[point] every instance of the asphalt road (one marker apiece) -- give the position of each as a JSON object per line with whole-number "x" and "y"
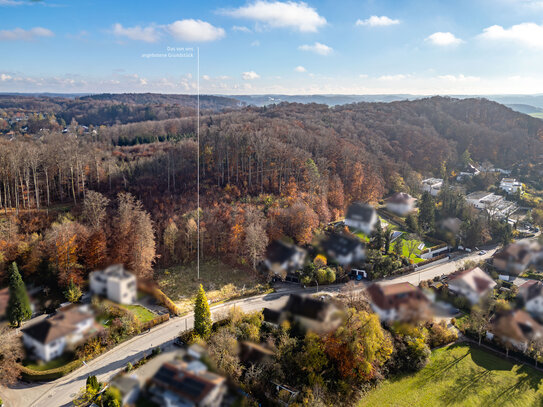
{"x": 62, "y": 391}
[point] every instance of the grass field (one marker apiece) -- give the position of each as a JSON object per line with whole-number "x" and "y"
{"x": 142, "y": 313}
{"x": 220, "y": 281}
{"x": 405, "y": 251}
{"x": 461, "y": 375}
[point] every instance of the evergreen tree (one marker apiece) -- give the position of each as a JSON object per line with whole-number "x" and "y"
{"x": 18, "y": 309}
{"x": 427, "y": 212}
{"x": 202, "y": 314}
{"x": 387, "y": 241}
{"x": 377, "y": 237}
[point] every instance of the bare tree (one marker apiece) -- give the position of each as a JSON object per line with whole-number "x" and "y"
{"x": 94, "y": 209}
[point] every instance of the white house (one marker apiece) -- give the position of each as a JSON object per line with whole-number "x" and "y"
{"x": 510, "y": 185}
{"x": 532, "y": 294}
{"x": 50, "y": 337}
{"x": 472, "y": 284}
{"x": 432, "y": 185}
{"x": 495, "y": 205}
{"x": 469, "y": 171}
{"x": 361, "y": 216}
{"x": 115, "y": 283}
{"x": 345, "y": 249}
{"x": 400, "y": 301}
{"x": 400, "y": 203}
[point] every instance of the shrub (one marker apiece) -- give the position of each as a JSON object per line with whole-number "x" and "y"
{"x": 161, "y": 298}
{"x": 129, "y": 367}
{"x": 330, "y": 276}
{"x": 320, "y": 274}
{"x": 319, "y": 261}
{"x": 439, "y": 334}
{"x": 52, "y": 374}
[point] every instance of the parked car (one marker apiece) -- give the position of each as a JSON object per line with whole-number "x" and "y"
{"x": 178, "y": 342}
{"x": 482, "y": 252}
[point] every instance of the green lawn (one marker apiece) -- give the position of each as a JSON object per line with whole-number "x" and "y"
{"x": 461, "y": 375}
{"x": 405, "y": 251}
{"x": 220, "y": 281}
{"x": 142, "y": 313}
{"x": 52, "y": 364}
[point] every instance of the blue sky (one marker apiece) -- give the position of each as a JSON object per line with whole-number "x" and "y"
{"x": 349, "y": 47}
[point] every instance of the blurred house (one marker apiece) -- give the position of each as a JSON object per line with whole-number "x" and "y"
{"x": 345, "y": 249}
{"x": 472, "y": 283}
{"x": 182, "y": 384}
{"x": 69, "y": 327}
{"x": 531, "y": 293}
{"x": 515, "y": 258}
{"x": 517, "y": 328}
{"x": 452, "y": 225}
{"x": 253, "y": 353}
{"x": 313, "y": 315}
{"x": 400, "y": 301}
{"x": 115, "y": 283}
{"x": 510, "y": 185}
{"x": 468, "y": 171}
{"x": 401, "y": 203}
{"x": 361, "y": 216}
{"x": 432, "y": 185}
{"x": 282, "y": 258}
{"x": 129, "y": 387}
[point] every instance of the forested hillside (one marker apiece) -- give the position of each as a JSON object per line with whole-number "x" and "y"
{"x": 282, "y": 170}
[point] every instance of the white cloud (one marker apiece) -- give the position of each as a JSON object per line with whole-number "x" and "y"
{"x": 375, "y": 21}
{"x": 363, "y": 76}
{"x": 25, "y": 35}
{"x": 206, "y": 77}
{"x": 277, "y": 14}
{"x": 4, "y": 77}
{"x": 300, "y": 68}
{"x": 459, "y": 78}
{"x": 248, "y": 76}
{"x": 529, "y": 34}
{"x": 143, "y": 81}
{"x": 443, "y": 39}
{"x": 195, "y": 30}
{"x": 317, "y": 48}
{"x": 392, "y": 77}
{"x": 241, "y": 28}
{"x": 11, "y": 3}
{"x": 137, "y": 33}
{"x": 255, "y": 43}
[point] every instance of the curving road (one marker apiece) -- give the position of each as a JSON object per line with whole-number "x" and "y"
{"x": 62, "y": 391}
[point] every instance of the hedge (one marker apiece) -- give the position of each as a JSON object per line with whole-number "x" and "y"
{"x": 155, "y": 321}
{"x": 392, "y": 217}
{"x": 51, "y": 374}
{"x": 160, "y": 297}
{"x": 434, "y": 248}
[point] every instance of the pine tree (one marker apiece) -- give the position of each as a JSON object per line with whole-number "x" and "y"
{"x": 18, "y": 309}
{"x": 202, "y": 314}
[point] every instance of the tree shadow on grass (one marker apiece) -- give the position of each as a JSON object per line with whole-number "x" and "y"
{"x": 467, "y": 384}
{"x": 437, "y": 368}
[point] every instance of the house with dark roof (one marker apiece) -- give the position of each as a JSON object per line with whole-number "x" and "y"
{"x": 472, "y": 283}
{"x": 178, "y": 384}
{"x": 400, "y": 203}
{"x": 361, "y": 216}
{"x": 515, "y": 258}
{"x": 283, "y": 258}
{"x": 66, "y": 329}
{"x": 129, "y": 387}
{"x": 516, "y": 328}
{"x": 345, "y": 249}
{"x": 312, "y": 314}
{"x": 400, "y": 301}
